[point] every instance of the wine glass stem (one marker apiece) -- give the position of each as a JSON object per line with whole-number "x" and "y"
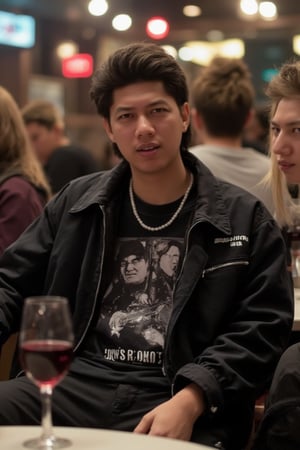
{"x": 46, "y": 397}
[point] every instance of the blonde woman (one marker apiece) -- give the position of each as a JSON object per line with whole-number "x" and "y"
{"x": 284, "y": 93}
{"x": 23, "y": 186}
{"x": 279, "y": 428}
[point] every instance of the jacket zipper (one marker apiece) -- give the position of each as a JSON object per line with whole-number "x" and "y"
{"x": 219, "y": 266}
{"x": 98, "y": 285}
{"x": 164, "y": 372}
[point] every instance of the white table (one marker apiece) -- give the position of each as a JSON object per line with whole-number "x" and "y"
{"x": 11, "y": 438}
{"x": 296, "y": 324}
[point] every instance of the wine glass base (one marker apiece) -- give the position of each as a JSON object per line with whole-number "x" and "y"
{"x": 51, "y": 443}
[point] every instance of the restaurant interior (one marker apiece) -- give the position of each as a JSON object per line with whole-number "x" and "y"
{"x": 54, "y": 53}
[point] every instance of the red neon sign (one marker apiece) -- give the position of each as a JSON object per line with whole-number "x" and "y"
{"x": 78, "y": 66}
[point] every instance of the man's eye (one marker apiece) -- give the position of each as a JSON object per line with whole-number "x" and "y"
{"x": 159, "y": 110}
{"x": 275, "y": 130}
{"x": 124, "y": 116}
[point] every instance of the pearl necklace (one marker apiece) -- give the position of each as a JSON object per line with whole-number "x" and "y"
{"x": 165, "y": 225}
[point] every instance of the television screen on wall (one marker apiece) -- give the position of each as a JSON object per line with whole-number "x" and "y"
{"x": 17, "y": 30}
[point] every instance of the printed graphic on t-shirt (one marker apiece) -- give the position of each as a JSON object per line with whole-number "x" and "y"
{"x": 137, "y": 305}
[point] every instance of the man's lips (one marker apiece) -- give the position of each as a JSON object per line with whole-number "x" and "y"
{"x": 284, "y": 165}
{"x": 147, "y": 148}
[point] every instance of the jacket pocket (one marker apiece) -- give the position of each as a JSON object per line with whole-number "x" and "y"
{"x": 224, "y": 266}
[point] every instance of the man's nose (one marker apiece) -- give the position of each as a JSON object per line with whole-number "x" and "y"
{"x": 144, "y": 126}
{"x": 281, "y": 144}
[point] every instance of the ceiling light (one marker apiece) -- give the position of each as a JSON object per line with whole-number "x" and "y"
{"x": 192, "y": 11}
{"x": 122, "y": 22}
{"x": 202, "y": 52}
{"x": 66, "y": 49}
{"x": 98, "y": 7}
{"x": 268, "y": 10}
{"x": 231, "y": 48}
{"x": 249, "y": 7}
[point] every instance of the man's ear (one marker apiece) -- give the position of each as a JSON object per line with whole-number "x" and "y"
{"x": 186, "y": 115}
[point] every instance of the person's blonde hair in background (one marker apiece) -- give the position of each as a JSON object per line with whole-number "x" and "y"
{"x": 284, "y": 93}
{"x": 23, "y": 186}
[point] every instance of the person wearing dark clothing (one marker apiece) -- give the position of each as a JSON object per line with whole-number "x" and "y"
{"x": 191, "y": 363}
{"x": 68, "y": 162}
{"x": 62, "y": 160}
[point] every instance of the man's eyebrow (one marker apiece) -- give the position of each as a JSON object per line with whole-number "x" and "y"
{"x": 292, "y": 123}
{"x": 124, "y": 108}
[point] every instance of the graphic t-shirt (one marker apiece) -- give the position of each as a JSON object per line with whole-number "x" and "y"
{"x": 126, "y": 345}
{"x": 137, "y": 306}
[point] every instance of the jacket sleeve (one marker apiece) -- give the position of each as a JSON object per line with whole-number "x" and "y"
{"x": 240, "y": 361}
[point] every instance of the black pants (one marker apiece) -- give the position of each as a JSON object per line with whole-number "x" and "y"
{"x": 95, "y": 404}
{"x": 279, "y": 428}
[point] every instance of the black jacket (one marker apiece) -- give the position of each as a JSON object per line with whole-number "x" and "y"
{"x": 233, "y": 306}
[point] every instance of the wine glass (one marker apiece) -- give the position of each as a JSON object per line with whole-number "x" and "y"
{"x": 46, "y": 347}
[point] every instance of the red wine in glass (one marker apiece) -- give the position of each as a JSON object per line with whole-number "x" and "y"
{"x": 46, "y": 361}
{"x": 46, "y": 347}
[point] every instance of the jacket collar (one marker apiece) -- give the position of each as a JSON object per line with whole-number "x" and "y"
{"x": 210, "y": 206}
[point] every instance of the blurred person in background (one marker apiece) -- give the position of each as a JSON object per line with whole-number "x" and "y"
{"x": 256, "y": 131}
{"x": 279, "y": 428}
{"x": 24, "y": 189}
{"x": 62, "y": 160}
{"x": 223, "y": 96}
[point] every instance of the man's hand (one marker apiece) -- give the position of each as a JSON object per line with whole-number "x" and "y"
{"x": 176, "y": 417}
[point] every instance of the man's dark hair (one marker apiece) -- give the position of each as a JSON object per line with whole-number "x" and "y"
{"x": 134, "y": 63}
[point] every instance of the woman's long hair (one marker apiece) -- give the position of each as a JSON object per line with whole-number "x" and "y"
{"x": 16, "y": 153}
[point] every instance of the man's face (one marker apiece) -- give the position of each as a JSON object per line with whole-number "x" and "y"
{"x": 147, "y": 125}
{"x": 134, "y": 269}
{"x": 285, "y": 138}
{"x": 44, "y": 140}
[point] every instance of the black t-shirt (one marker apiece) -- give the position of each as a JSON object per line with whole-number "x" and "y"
{"x": 127, "y": 342}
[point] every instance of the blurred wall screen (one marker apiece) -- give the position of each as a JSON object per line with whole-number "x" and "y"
{"x": 17, "y": 30}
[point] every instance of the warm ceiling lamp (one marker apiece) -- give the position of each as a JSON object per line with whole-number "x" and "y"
{"x": 97, "y": 7}
{"x": 202, "y": 52}
{"x": 268, "y": 10}
{"x": 66, "y": 49}
{"x": 192, "y": 11}
{"x": 249, "y": 7}
{"x": 122, "y": 22}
